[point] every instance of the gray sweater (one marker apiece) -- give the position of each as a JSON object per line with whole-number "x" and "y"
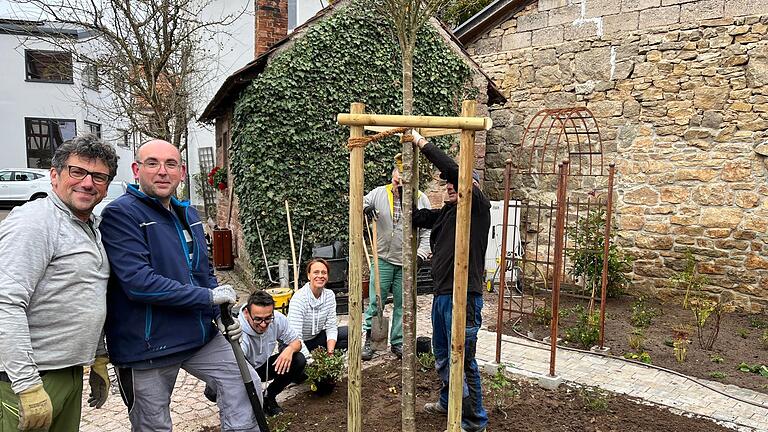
{"x": 390, "y": 231}
{"x": 53, "y": 284}
{"x": 258, "y": 347}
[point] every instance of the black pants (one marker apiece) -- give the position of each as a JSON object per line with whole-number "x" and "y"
{"x": 279, "y": 382}
{"x": 321, "y": 340}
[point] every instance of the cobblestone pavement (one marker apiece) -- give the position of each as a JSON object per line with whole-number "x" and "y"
{"x": 192, "y": 412}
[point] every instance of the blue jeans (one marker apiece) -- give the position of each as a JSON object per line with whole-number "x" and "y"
{"x": 473, "y": 415}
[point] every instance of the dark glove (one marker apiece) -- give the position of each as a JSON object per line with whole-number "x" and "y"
{"x": 370, "y": 213}
{"x": 419, "y": 262}
{"x": 99, "y": 382}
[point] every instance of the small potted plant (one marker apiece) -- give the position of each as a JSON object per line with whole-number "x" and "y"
{"x": 325, "y": 370}
{"x": 218, "y": 178}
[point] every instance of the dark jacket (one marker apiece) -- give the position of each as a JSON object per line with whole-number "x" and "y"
{"x": 158, "y": 298}
{"x": 443, "y": 224}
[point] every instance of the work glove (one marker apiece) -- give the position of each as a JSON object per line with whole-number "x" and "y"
{"x": 416, "y": 136}
{"x": 99, "y": 382}
{"x": 370, "y": 213}
{"x": 232, "y": 332}
{"x": 223, "y": 294}
{"x": 35, "y": 409}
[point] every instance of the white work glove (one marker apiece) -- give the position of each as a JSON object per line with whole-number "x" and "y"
{"x": 233, "y": 332}
{"x": 416, "y": 136}
{"x": 223, "y": 294}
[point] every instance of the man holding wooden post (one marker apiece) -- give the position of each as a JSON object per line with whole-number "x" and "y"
{"x": 442, "y": 240}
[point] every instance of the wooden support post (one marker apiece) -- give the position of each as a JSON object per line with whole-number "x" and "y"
{"x": 464, "y": 122}
{"x": 461, "y": 269}
{"x": 355, "y": 277}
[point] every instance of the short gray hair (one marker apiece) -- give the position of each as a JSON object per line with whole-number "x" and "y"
{"x": 88, "y": 146}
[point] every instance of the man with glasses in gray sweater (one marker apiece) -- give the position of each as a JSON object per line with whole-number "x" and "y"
{"x": 53, "y": 283}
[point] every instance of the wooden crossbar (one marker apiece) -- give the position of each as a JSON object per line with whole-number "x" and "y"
{"x": 465, "y": 123}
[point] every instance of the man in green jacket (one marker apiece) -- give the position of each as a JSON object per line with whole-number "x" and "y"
{"x": 383, "y": 205}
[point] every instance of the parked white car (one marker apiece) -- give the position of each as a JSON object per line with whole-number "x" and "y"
{"x": 116, "y": 188}
{"x": 19, "y": 185}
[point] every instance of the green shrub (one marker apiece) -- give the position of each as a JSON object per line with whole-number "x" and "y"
{"x": 642, "y": 357}
{"x": 427, "y": 361}
{"x": 642, "y": 315}
{"x": 718, "y": 375}
{"x": 501, "y": 388}
{"x": 594, "y": 399}
{"x": 587, "y": 256}
{"x": 542, "y": 315}
{"x": 325, "y": 368}
{"x": 586, "y": 330}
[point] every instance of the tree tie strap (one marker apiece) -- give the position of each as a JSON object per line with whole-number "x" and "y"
{"x": 364, "y": 140}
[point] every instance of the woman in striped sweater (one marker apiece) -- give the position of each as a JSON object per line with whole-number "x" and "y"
{"x": 312, "y": 311}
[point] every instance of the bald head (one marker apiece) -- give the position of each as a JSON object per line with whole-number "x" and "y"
{"x": 155, "y": 145}
{"x": 159, "y": 169}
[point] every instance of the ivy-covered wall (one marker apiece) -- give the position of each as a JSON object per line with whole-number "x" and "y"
{"x": 286, "y": 144}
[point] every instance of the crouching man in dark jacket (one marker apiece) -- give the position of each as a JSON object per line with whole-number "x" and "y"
{"x": 443, "y": 241}
{"x": 162, "y": 299}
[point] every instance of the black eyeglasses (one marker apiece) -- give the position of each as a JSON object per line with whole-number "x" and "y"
{"x": 259, "y": 320}
{"x": 79, "y": 173}
{"x": 154, "y": 165}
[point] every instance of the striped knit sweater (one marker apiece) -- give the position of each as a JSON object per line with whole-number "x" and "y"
{"x": 309, "y": 315}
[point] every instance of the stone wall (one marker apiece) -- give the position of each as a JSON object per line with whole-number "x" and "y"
{"x": 680, "y": 91}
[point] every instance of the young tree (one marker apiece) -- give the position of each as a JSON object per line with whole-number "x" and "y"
{"x": 149, "y": 56}
{"x": 408, "y": 17}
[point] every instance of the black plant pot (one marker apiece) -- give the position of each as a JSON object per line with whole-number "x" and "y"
{"x": 423, "y": 345}
{"x": 325, "y": 387}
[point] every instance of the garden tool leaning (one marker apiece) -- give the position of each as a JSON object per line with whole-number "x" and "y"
{"x": 380, "y": 323}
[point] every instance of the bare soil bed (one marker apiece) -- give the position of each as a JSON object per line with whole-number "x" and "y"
{"x": 534, "y": 409}
{"x": 739, "y": 339}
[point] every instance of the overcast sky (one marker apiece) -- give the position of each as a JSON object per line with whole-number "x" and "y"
{"x": 13, "y": 10}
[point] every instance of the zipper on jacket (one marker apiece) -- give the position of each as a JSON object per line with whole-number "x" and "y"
{"x": 180, "y": 233}
{"x": 147, "y": 323}
{"x": 192, "y": 235}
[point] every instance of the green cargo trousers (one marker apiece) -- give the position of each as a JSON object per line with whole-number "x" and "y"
{"x": 391, "y": 281}
{"x": 64, "y": 387}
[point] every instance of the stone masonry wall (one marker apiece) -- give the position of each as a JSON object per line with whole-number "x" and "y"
{"x": 680, "y": 91}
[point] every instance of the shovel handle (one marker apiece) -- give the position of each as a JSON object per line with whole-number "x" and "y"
{"x": 250, "y": 388}
{"x": 377, "y": 280}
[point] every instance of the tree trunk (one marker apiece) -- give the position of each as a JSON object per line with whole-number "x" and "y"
{"x": 410, "y": 181}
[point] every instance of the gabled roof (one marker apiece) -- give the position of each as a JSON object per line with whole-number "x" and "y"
{"x": 40, "y": 28}
{"x": 236, "y": 82}
{"x": 239, "y": 80}
{"x": 491, "y": 16}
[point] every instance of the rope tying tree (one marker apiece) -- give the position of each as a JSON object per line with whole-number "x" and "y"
{"x": 365, "y": 140}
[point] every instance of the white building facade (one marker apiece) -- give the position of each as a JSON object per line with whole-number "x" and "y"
{"x": 42, "y": 98}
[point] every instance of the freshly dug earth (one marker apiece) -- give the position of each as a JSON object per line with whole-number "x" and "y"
{"x": 534, "y": 409}
{"x": 739, "y": 339}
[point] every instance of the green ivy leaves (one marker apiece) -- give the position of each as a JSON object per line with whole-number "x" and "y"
{"x": 286, "y": 144}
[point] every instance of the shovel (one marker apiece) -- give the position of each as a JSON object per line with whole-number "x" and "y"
{"x": 250, "y": 388}
{"x": 380, "y": 323}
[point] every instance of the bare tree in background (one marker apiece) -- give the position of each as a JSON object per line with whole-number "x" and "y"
{"x": 148, "y": 54}
{"x": 408, "y": 17}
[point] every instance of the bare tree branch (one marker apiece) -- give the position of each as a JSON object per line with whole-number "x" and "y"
{"x": 149, "y": 53}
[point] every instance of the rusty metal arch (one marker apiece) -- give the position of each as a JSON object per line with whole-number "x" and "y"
{"x": 560, "y": 150}
{"x": 555, "y": 135}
